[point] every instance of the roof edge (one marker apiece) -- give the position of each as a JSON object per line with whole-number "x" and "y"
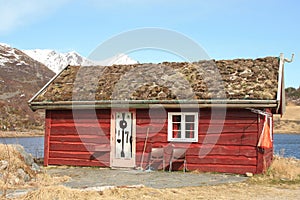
{"x": 46, "y": 85}
{"x": 148, "y": 103}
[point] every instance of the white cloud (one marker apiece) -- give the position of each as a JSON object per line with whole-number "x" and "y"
{"x": 16, "y": 13}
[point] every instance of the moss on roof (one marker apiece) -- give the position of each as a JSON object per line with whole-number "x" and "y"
{"x": 254, "y": 79}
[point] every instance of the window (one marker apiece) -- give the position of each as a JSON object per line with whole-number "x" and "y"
{"x": 183, "y": 127}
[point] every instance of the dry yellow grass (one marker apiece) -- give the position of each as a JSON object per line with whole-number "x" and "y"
{"x": 258, "y": 187}
{"x": 292, "y": 113}
{"x": 282, "y": 171}
{"x": 285, "y": 169}
{"x": 228, "y": 191}
{"x": 10, "y": 154}
{"x": 61, "y": 193}
{"x": 289, "y": 122}
{"x": 9, "y": 176}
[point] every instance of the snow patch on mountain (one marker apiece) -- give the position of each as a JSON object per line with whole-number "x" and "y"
{"x": 10, "y": 55}
{"x": 120, "y": 59}
{"x": 5, "y": 45}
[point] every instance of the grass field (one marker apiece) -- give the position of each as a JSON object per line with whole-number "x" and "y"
{"x": 289, "y": 122}
{"x": 291, "y": 113}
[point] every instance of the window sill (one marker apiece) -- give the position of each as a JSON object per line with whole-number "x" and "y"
{"x": 183, "y": 140}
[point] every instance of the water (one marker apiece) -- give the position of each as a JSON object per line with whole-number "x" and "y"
{"x": 286, "y": 144}
{"x": 33, "y": 145}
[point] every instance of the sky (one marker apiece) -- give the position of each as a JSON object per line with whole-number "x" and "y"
{"x": 225, "y": 29}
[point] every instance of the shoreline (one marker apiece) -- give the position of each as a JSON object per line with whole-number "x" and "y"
{"x": 289, "y": 133}
{"x": 16, "y": 134}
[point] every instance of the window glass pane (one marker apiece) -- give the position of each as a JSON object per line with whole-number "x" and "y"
{"x": 176, "y": 126}
{"x": 189, "y": 118}
{"x": 189, "y": 134}
{"x": 176, "y": 134}
{"x": 176, "y": 118}
{"x": 189, "y": 126}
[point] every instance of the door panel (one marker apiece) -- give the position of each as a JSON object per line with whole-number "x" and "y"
{"x": 123, "y": 139}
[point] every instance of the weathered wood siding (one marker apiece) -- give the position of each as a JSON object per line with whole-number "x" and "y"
{"x": 81, "y": 142}
{"x": 233, "y": 150}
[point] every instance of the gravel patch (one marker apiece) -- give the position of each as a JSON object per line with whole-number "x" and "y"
{"x": 85, "y": 177}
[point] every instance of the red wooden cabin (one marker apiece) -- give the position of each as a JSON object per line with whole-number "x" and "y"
{"x": 219, "y": 111}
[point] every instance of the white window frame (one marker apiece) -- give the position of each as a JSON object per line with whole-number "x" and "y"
{"x": 170, "y": 127}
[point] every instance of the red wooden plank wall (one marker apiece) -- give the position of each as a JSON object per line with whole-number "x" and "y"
{"x": 234, "y": 151}
{"x": 82, "y": 140}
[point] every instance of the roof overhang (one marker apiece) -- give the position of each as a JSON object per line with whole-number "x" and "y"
{"x": 150, "y": 103}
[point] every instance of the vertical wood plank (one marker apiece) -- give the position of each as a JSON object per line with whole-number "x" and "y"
{"x": 112, "y": 138}
{"x": 133, "y": 111}
{"x": 259, "y": 156}
{"x": 47, "y": 137}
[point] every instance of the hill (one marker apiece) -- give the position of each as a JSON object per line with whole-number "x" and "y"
{"x": 20, "y": 78}
{"x": 293, "y": 96}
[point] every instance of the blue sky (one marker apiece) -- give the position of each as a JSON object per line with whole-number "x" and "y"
{"x": 225, "y": 29}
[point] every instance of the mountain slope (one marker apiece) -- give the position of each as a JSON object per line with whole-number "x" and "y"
{"x": 20, "y": 78}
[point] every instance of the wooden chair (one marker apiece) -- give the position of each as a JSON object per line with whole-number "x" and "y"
{"x": 178, "y": 155}
{"x": 156, "y": 154}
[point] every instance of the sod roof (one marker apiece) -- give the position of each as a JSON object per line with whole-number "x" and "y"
{"x": 253, "y": 79}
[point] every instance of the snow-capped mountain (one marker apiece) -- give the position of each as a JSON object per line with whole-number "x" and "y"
{"x": 57, "y": 61}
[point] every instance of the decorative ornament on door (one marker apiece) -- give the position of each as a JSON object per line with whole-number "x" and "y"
{"x": 123, "y": 135}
